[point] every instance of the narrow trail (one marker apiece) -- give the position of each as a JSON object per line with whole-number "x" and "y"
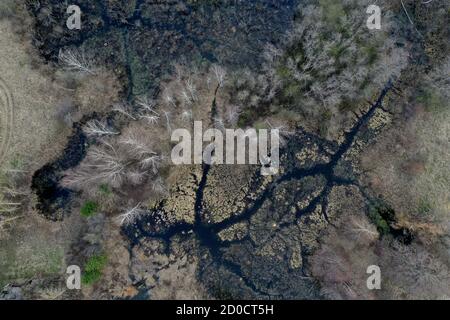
{"x": 6, "y": 119}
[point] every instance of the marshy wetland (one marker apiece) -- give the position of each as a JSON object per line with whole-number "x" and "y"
{"x": 87, "y": 180}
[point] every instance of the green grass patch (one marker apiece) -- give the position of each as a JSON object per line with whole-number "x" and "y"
{"x": 424, "y": 207}
{"x": 89, "y": 209}
{"x": 31, "y": 259}
{"x": 93, "y": 269}
{"x": 105, "y": 189}
{"x": 377, "y": 217}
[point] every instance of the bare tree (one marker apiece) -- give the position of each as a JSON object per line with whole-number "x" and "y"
{"x": 167, "y": 117}
{"x": 148, "y": 112}
{"x": 103, "y": 164}
{"x": 121, "y": 108}
{"x": 362, "y": 229}
{"x": 136, "y": 147}
{"x": 187, "y": 99}
{"x": 152, "y": 161}
{"x": 75, "y": 60}
{"x": 130, "y": 215}
{"x": 208, "y": 82}
{"x": 12, "y": 194}
{"x": 190, "y": 86}
{"x": 136, "y": 176}
{"x": 116, "y": 160}
{"x": 151, "y": 119}
{"x": 220, "y": 74}
{"x": 98, "y": 128}
{"x": 186, "y": 115}
{"x": 169, "y": 99}
{"x": 147, "y": 104}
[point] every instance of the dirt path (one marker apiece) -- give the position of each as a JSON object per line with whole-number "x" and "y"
{"x": 6, "y": 119}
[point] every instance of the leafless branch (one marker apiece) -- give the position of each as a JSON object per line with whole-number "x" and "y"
{"x": 122, "y": 109}
{"x": 220, "y": 74}
{"x": 95, "y": 127}
{"x": 75, "y": 61}
{"x": 130, "y": 215}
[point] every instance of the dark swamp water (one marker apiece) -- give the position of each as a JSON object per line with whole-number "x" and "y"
{"x": 146, "y": 37}
{"x": 234, "y": 267}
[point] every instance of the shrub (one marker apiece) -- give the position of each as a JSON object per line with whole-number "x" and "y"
{"x": 376, "y": 217}
{"x": 425, "y": 207}
{"x": 93, "y": 269}
{"x": 89, "y": 209}
{"x": 431, "y": 100}
{"x": 104, "y": 189}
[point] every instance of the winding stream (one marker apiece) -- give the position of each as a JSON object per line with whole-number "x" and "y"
{"x": 207, "y": 233}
